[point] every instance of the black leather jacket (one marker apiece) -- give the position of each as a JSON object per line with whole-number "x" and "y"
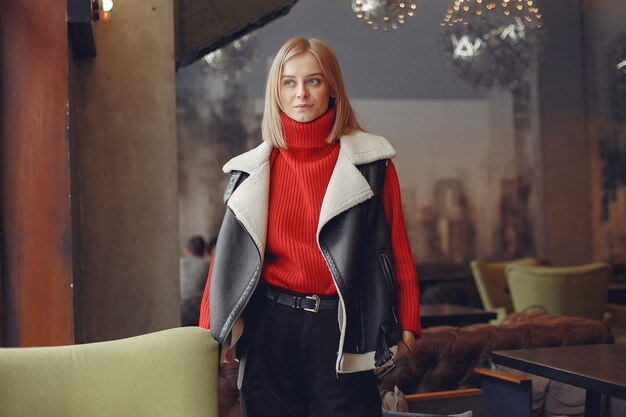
{"x": 353, "y": 237}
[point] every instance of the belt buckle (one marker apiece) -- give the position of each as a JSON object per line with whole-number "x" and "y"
{"x": 317, "y": 303}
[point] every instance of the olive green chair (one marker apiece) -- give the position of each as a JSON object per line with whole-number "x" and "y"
{"x": 616, "y": 319}
{"x": 570, "y": 291}
{"x": 162, "y": 374}
{"x": 490, "y": 280}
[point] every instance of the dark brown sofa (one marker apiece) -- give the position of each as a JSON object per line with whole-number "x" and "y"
{"x": 445, "y": 356}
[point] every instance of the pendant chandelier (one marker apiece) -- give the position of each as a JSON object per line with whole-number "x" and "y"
{"x": 384, "y": 14}
{"x": 492, "y": 44}
{"x": 232, "y": 60}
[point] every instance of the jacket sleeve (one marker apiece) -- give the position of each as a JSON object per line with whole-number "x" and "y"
{"x": 406, "y": 275}
{"x": 204, "y": 305}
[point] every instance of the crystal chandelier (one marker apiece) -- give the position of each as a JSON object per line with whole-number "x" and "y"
{"x": 492, "y": 44}
{"x": 232, "y": 60}
{"x": 384, "y": 14}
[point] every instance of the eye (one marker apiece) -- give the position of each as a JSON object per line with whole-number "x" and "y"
{"x": 314, "y": 81}
{"x": 289, "y": 83}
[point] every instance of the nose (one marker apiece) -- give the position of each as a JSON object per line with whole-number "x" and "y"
{"x": 302, "y": 92}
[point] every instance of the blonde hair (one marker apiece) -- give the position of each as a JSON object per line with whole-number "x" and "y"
{"x": 345, "y": 119}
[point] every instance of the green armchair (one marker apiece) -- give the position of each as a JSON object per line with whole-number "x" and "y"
{"x": 490, "y": 280}
{"x": 570, "y": 291}
{"x": 616, "y": 319}
{"x": 162, "y": 374}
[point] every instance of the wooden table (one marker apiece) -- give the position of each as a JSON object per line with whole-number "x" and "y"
{"x": 600, "y": 369}
{"x": 452, "y": 315}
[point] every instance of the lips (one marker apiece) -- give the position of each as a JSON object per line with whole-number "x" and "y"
{"x": 304, "y": 106}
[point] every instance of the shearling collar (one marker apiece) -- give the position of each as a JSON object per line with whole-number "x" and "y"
{"x": 360, "y": 148}
{"x": 347, "y": 186}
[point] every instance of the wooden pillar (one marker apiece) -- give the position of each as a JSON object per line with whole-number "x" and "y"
{"x": 35, "y": 195}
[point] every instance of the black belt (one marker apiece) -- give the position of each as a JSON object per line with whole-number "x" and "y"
{"x": 312, "y": 303}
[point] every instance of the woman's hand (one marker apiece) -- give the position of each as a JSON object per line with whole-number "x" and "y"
{"x": 230, "y": 355}
{"x": 406, "y": 345}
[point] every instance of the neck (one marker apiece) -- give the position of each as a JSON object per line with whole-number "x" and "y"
{"x": 311, "y": 134}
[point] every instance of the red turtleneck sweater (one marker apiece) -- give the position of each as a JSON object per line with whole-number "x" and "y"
{"x": 298, "y": 181}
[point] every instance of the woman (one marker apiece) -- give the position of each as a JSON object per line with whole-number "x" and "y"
{"x": 313, "y": 254}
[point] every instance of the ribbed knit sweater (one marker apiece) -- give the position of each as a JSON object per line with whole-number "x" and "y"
{"x": 298, "y": 180}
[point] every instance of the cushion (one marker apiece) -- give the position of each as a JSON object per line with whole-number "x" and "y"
{"x": 161, "y": 374}
{"x": 564, "y": 399}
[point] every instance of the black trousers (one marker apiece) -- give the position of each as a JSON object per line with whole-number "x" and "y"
{"x": 288, "y": 358}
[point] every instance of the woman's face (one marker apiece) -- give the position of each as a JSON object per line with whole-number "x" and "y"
{"x": 304, "y": 92}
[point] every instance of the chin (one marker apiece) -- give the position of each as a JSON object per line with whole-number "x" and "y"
{"x": 301, "y": 118}
{"x": 305, "y": 118}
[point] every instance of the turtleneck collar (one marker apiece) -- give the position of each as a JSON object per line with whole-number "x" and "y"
{"x": 311, "y": 134}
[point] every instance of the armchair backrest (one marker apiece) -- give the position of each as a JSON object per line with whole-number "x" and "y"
{"x": 490, "y": 280}
{"x": 570, "y": 291}
{"x": 162, "y": 374}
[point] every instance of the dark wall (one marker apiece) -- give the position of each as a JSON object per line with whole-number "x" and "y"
{"x": 563, "y": 149}
{"x": 605, "y": 46}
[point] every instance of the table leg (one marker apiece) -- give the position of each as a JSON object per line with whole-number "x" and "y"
{"x": 592, "y": 404}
